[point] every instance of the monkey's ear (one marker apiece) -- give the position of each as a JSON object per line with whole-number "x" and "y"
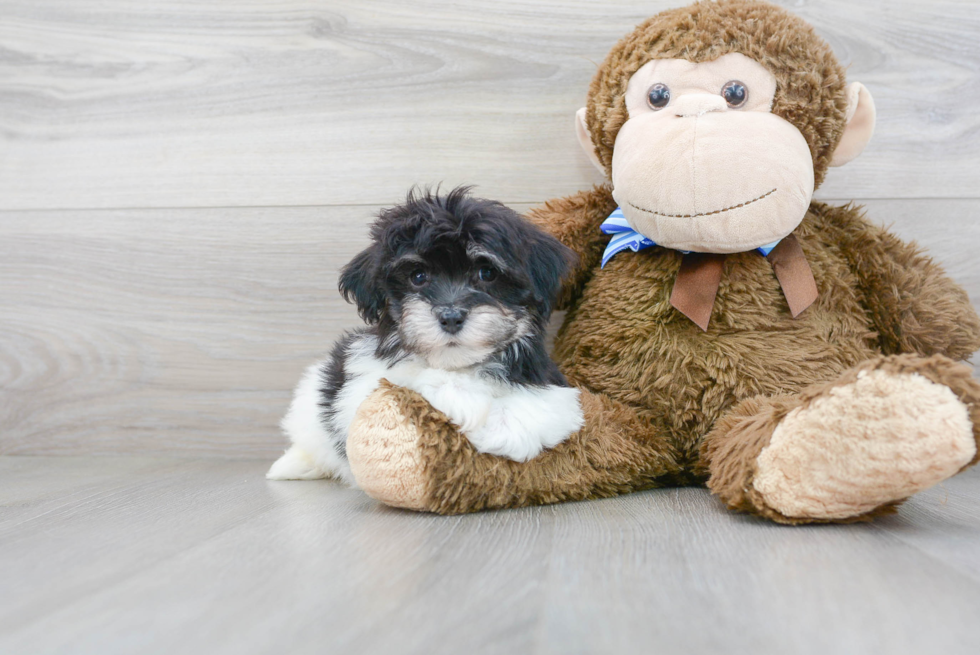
{"x": 860, "y": 124}
{"x": 360, "y": 283}
{"x": 585, "y": 140}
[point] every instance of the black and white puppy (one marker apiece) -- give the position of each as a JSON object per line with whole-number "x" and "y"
{"x": 456, "y": 292}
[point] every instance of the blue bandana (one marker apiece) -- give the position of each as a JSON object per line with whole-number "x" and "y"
{"x": 626, "y": 237}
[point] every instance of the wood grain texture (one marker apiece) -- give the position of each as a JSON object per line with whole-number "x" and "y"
{"x": 169, "y": 103}
{"x": 184, "y": 331}
{"x": 124, "y": 555}
{"x": 198, "y": 321}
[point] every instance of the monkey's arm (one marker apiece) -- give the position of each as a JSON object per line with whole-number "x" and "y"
{"x": 575, "y": 221}
{"x": 915, "y": 306}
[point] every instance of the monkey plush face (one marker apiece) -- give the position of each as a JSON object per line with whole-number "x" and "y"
{"x": 719, "y": 150}
{"x": 702, "y": 164}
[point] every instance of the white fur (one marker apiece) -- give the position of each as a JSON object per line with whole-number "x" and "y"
{"x": 312, "y": 455}
{"x": 462, "y": 396}
{"x": 527, "y": 420}
{"x": 512, "y": 421}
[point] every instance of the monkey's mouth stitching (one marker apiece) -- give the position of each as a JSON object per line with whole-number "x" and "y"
{"x": 717, "y": 211}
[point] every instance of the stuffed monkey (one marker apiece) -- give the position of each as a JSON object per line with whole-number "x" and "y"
{"x": 724, "y": 328}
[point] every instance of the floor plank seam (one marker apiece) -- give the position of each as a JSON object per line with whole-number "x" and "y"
{"x": 340, "y": 205}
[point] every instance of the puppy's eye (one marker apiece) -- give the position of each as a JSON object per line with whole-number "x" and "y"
{"x": 488, "y": 273}
{"x": 658, "y": 96}
{"x": 419, "y": 277}
{"x": 735, "y": 93}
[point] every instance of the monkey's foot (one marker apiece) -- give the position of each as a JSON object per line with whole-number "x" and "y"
{"x": 851, "y": 449}
{"x": 875, "y": 437}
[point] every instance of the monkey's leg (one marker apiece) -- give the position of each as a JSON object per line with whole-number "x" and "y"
{"x": 849, "y": 450}
{"x": 407, "y": 454}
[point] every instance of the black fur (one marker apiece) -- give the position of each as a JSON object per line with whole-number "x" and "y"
{"x": 333, "y": 377}
{"x": 357, "y": 284}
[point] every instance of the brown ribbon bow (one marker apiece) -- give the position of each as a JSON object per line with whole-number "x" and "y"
{"x": 700, "y": 274}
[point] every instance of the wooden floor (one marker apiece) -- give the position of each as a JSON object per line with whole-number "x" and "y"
{"x": 131, "y": 555}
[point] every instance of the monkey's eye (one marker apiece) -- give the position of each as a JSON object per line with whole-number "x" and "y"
{"x": 735, "y": 93}
{"x": 419, "y": 277}
{"x": 487, "y": 273}
{"x": 658, "y": 96}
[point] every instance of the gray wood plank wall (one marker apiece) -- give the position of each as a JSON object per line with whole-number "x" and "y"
{"x": 180, "y": 182}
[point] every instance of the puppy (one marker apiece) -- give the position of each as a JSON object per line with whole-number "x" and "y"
{"x": 456, "y": 292}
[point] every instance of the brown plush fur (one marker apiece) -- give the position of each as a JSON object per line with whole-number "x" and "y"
{"x": 612, "y": 455}
{"x": 667, "y": 403}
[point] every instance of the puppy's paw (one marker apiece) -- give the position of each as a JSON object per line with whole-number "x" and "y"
{"x": 467, "y": 404}
{"x": 559, "y": 412}
{"x": 521, "y": 425}
{"x": 505, "y": 435}
{"x": 296, "y": 465}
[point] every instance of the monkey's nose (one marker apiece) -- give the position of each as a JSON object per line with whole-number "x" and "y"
{"x": 451, "y": 319}
{"x": 698, "y": 104}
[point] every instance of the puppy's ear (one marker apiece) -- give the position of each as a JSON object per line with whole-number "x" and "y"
{"x": 550, "y": 263}
{"x": 360, "y": 283}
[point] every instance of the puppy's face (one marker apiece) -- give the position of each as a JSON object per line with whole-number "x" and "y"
{"x": 456, "y": 308}
{"x": 455, "y": 279}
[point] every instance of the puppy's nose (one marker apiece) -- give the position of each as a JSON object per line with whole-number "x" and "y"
{"x": 451, "y": 319}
